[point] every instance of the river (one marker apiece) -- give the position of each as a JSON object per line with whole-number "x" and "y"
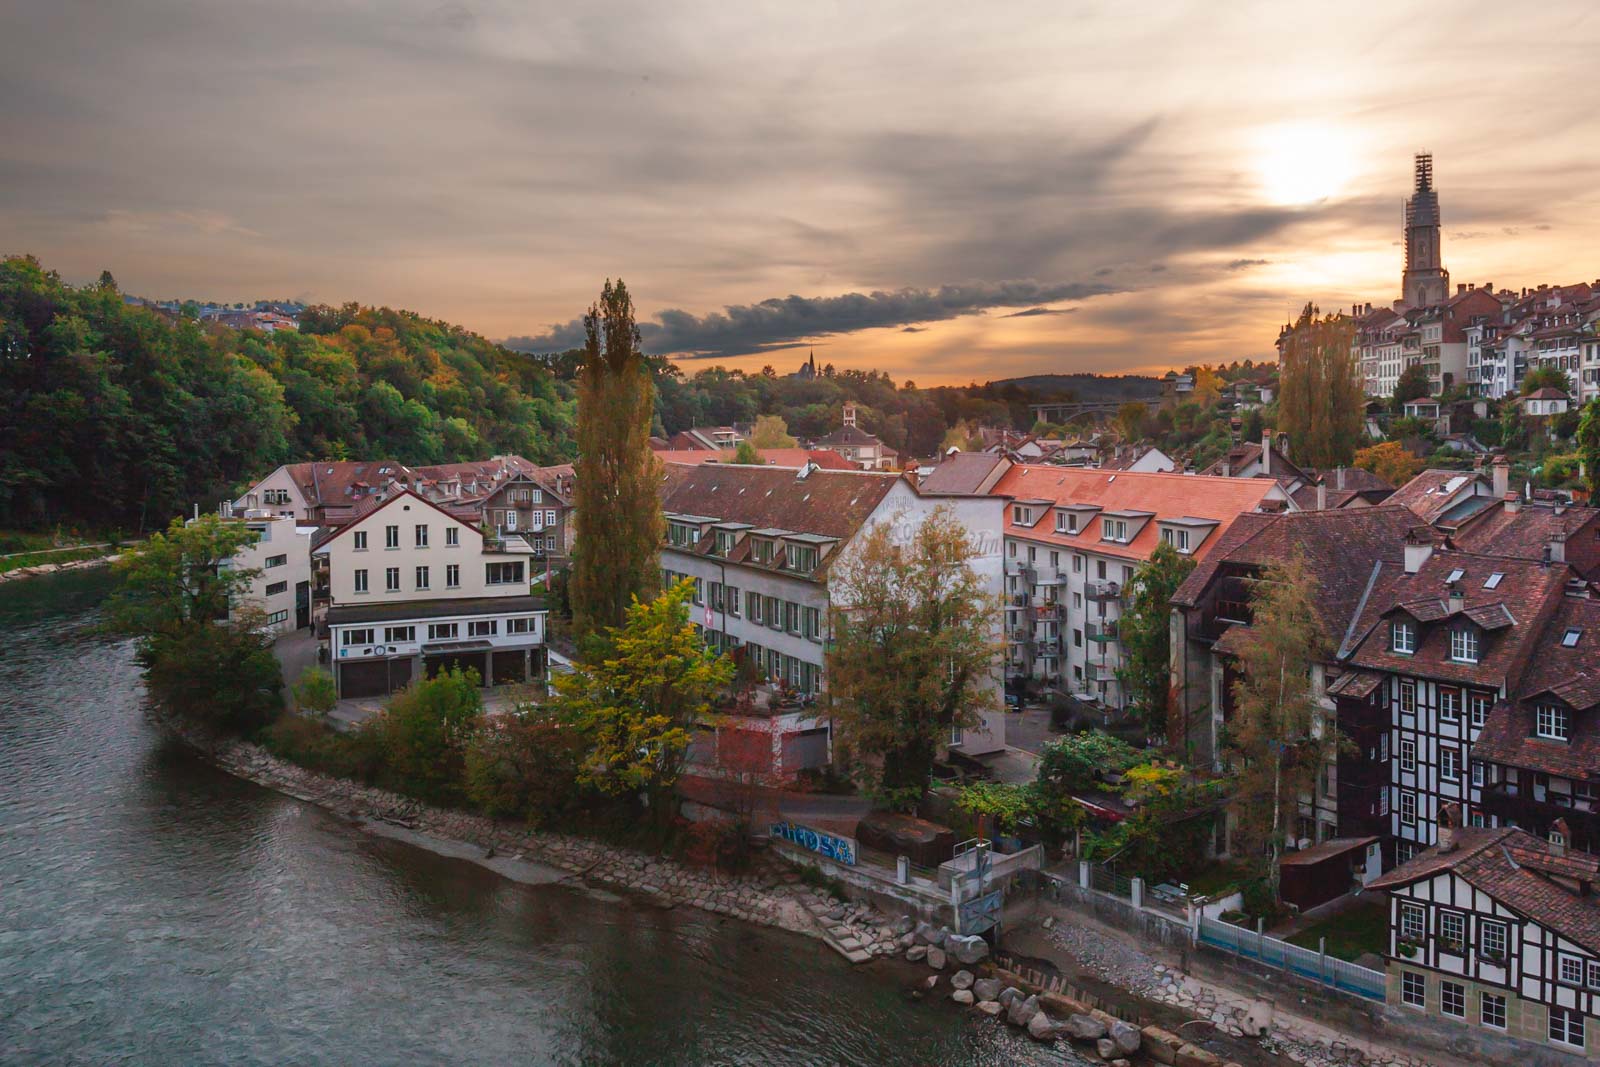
{"x": 156, "y": 910}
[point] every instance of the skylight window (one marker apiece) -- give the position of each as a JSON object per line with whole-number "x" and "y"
{"x": 1493, "y": 580}
{"x": 1455, "y": 576}
{"x": 1570, "y": 638}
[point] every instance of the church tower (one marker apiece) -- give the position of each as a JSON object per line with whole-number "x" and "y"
{"x": 1425, "y": 281}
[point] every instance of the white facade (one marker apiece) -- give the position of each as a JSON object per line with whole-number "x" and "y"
{"x": 282, "y": 557}
{"x": 278, "y": 493}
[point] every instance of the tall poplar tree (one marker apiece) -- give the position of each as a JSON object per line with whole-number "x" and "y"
{"x": 1145, "y": 630}
{"x": 1320, "y": 395}
{"x": 618, "y": 503}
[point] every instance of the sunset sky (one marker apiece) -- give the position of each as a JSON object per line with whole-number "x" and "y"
{"x": 948, "y": 192}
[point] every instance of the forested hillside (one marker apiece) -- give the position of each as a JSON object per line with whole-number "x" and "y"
{"x": 114, "y": 416}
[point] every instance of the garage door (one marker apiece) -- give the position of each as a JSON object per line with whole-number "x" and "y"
{"x": 476, "y": 661}
{"x": 373, "y": 677}
{"x": 510, "y": 668}
{"x": 807, "y": 749}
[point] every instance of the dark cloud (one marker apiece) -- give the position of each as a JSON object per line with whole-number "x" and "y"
{"x": 913, "y": 329}
{"x": 745, "y": 329}
{"x": 1245, "y": 264}
{"x": 1032, "y": 312}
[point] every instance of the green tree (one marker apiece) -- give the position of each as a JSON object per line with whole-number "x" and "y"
{"x": 1587, "y": 443}
{"x": 1074, "y": 763}
{"x": 425, "y": 731}
{"x": 1320, "y": 399}
{"x": 914, "y": 648}
{"x": 770, "y": 431}
{"x": 1413, "y": 384}
{"x": 1145, "y": 631}
{"x": 747, "y": 454}
{"x": 1277, "y": 739}
{"x": 316, "y": 691}
{"x": 1132, "y": 421}
{"x": 635, "y": 705}
{"x": 1545, "y": 376}
{"x": 618, "y": 510}
{"x": 524, "y": 764}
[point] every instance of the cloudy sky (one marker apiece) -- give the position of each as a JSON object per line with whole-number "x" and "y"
{"x": 948, "y": 191}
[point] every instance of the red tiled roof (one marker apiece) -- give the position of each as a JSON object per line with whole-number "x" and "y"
{"x": 1571, "y": 675}
{"x": 1167, "y": 496}
{"x": 1525, "y": 532}
{"x": 1434, "y": 492}
{"x": 829, "y": 503}
{"x": 792, "y": 458}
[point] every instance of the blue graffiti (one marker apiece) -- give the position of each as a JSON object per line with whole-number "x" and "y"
{"x": 827, "y": 846}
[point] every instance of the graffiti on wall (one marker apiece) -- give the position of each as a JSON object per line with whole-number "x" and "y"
{"x": 828, "y": 846}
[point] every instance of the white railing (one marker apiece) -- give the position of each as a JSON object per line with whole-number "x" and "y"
{"x": 1318, "y": 966}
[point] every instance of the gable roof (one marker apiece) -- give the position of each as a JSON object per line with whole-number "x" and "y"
{"x": 372, "y": 508}
{"x": 830, "y": 503}
{"x": 965, "y": 472}
{"x": 1241, "y": 456}
{"x": 1517, "y": 869}
{"x": 1163, "y": 496}
{"x": 1436, "y": 494}
{"x": 792, "y": 458}
{"x": 1571, "y": 675}
{"x": 851, "y": 437}
{"x": 1524, "y": 532}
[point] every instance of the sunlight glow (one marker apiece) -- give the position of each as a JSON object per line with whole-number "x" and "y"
{"x": 1303, "y": 162}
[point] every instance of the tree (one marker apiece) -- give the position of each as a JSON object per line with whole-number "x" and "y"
{"x": 1588, "y": 445}
{"x": 1207, "y": 387}
{"x": 618, "y": 510}
{"x": 1320, "y": 398}
{"x": 914, "y": 648}
{"x": 1145, "y": 631}
{"x": 316, "y": 691}
{"x": 1390, "y": 461}
{"x": 424, "y": 733}
{"x": 1074, "y": 763}
{"x": 747, "y": 455}
{"x": 1132, "y": 419}
{"x": 107, "y": 281}
{"x": 205, "y": 656}
{"x": 770, "y": 431}
{"x": 524, "y": 764}
{"x": 1413, "y": 384}
{"x": 1278, "y": 739}
{"x": 1545, "y": 376}
{"x": 634, "y": 706}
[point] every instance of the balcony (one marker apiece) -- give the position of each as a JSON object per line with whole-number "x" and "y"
{"x": 1099, "y": 673}
{"x": 1102, "y": 592}
{"x": 1506, "y": 802}
{"x": 1101, "y": 631}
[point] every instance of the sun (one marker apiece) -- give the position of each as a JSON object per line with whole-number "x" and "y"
{"x": 1303, "y": 163}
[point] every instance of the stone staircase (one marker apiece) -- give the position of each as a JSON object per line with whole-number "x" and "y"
{"x": 836, "y": 934}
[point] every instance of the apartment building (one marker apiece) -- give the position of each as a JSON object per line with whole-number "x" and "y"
{"x": 414, "y": 589}
{"x": 1074, "y": 539}
{"x": 536, "y": 511}
{"x": 761, "y": 543}
{"x": 281, "y": 556}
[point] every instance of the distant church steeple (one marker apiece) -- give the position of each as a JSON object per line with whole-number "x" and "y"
{"x": 1425, "y": 280}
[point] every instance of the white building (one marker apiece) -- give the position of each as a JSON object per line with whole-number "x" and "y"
{"x": 762, "y": 543}
{"x": 281, "y": 556}
{"x": 414, "y": 590}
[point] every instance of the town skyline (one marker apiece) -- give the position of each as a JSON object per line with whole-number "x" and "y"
{"x": 945, "y": 199}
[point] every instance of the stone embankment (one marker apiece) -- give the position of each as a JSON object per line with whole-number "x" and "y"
{"x": 56, "y": 568}
{"x": 772, "y": 894}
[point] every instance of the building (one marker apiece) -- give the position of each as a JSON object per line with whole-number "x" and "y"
{"x": 966, "y": 472}
{"x": 1425, "y": 281}
{"x": 414, "y": 589}
{"x": 762, "y": 543}
{"x": 1138, "y": 459}
{"x": 1075, "y": 537}
{"x": 793, "y": 458}
{"x": 536, "y": 510}
{"x": 1268, "y": 459}
{"x": 858, "y": 446}
{"x": 1545, "y": 402}
{"x": 281, "y": 555}
{"x": 1536, "y": 530}
{"x": 706, "y": 438}
{"x": 1499, "y": 931}
{"x": 325, "y": 492}
{"x": 1447, "y": 498}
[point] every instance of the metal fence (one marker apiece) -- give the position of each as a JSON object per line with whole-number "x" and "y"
{"x": 1320, "y": 967}
{"x": 1108, "y": 881}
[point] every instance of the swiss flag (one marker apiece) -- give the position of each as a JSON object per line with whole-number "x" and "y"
{"x": 708, "y": 616}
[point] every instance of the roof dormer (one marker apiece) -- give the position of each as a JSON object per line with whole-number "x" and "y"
{"x": 1074, "y": 518}
{"x": 1186, "y": 533}
{"x": 1121, "y": 527}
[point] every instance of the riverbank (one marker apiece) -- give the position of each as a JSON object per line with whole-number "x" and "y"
{"x": 32, "y": 570}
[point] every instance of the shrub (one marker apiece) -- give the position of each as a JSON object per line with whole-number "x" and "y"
{"x": 424, "y": 734}
{"x": 223, "y": 676}
{"x": 316, "y": 691}
{"x": 524, "y": 765}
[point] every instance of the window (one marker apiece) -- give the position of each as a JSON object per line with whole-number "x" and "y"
{"x": 361, "y": 540}
{"x": 1408, "y": 697}
{"x": 699, "y": 594}
{"x": 1551, "y": 722}
{"x": 730, "y": 598}
{"x": 1383, "y": 748}
{"x": 726, "y": 540}
{"x": 1113, "y": 530}
{"x": 1022, "y": 516}
{"x": 1413, "y": 989}
{"x": 802, "y": 558}
{"x": 813, "y": 623}
{"x": 1408, "y": 754}
{"x": 1450, "y": 764}
{"x": 361, "y": 581}
{"x": 1492, "y": 939}
{"x": 1479, "y": 706}
{"x": 1593, "y": 968}
{"x": 1077, "y": 563}
{"x": 1408, "y": 808}
{"x": 274, "y": 588}
{"x": 523, "y": 625}
{"x": 452, "y": 576}
{"x": 1492, "y": 1011}
{"x": 443, "y": 631}
{"x": 503, "y": 573}
{"x": 753, "y": 607}
{"x": 1477, "y": 772}
{"x": 391, "y": 537}
{"x": 791, "y": 616}
{"x": 1178, "y": 539}
{"x": 483, "y": 627}
{"x": 1464, "y": 645}
{"x": 1449, "y": 703}
{"x": 772, "y": 613}
{"x": 1413, "y": 921}
{"x": 391, "y": 580}
{"x": 1452, "y": 930}
{"x": 1455, "y": 576}
{"x": 399, "y": 635}
{"x": 358, "y": 637}
{"x": 452, "y": 537}
{"x": 422, "y": 534}
{"x": 422, "y": 577}
{"x": 275, "y": 561}
{"x": 277, "y": 617}
{"x": 1453, "y": 999}
{"x": 1403, "y": 638}
{"x": 1566, "y": 1027}
{"x": 1571, "y": 970}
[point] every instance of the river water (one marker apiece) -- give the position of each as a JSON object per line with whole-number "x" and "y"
{"x": 155, "y": 910}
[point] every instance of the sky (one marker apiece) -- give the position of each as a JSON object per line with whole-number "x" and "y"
{"x": 949, "y": 192}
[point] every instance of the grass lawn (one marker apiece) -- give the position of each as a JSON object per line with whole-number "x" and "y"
{"x": 1215, "y": 877}
{"x": 1357, "y": 930}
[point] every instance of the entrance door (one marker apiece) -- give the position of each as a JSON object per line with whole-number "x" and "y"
{"x": 302, "y": 605}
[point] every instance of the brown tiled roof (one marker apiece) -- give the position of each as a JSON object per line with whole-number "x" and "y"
{"x": 341, "y": 483}
{"x": 1529, "y": 592}
{"x": 1355, "y": 684}
{"x": 1241, "y": 456}
{"x": 1352, "y": 479}
{"x": 830, "y": 503}
{"x": 964, "y": 472}
{"x": 1339, "y": 547}
{"x": 850, "y": 436}
{"x": 1572, "y": 675}
{"x": 1516, "y": 869}
{"x": 1525, "y": 532}
{"x": 1434, "y": 493}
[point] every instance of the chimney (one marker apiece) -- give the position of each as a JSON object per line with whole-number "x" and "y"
{"x": 1558, "y": 546}
{"x": 1322, "y": 495}
{"x": 1227, "y": 466}
{"x": 1500, "y": 476}
{"x": 1338, "y": 475}
{"x": 1513, "y": 503}
{"x": 1560, "y": 834}
{"x": 1449, "y": 822}
{"x": 1266, "y": 451}
{"x": 1418, "y": 549}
